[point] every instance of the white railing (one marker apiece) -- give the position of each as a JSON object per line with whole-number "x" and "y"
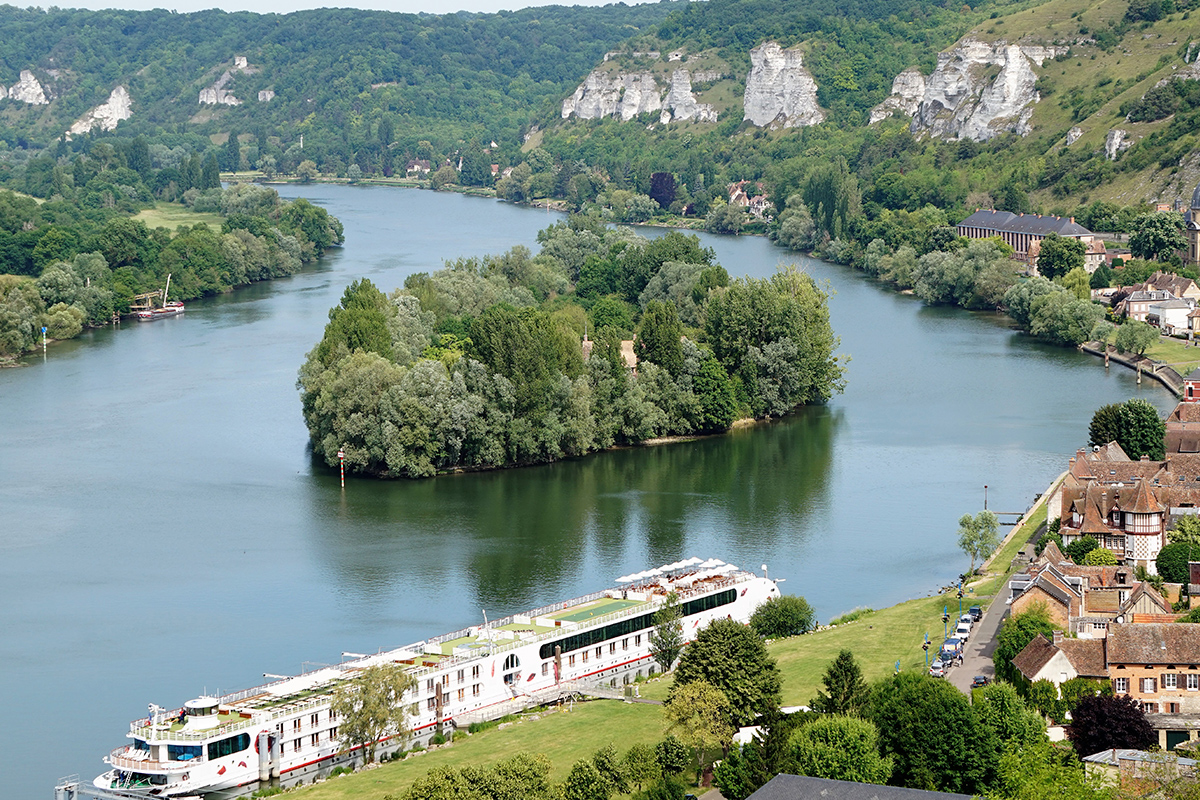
{"x": 120, "y": 760}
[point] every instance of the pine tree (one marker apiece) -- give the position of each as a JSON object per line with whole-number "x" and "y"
{"x": 846, "y": 693}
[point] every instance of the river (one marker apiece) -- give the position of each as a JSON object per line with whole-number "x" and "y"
{"x": 164, "y": 532}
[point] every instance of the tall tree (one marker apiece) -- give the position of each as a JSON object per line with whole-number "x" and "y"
{"x": 1001, "y": 709}
{"x": 933, "y": 734}
{"x": 660, "y": 338}
{"x": 699, "y": 714}
{"x": 846, "y": 693}
{"x": 1136, "y": 337}
{"x": 1018, "y": 631}
{"x": 1157, "y": 236}
{"x": 1143, "y": 433}
{"x": 1105, "y": 426}
{"x": 371, "y": 706}
{"x": 732, "y": 658}
{"x": 666, "y": 637}
{"x": 662, "y": 188}
{"x": 1059, "y": 255}
{"x": 978, "y": 535}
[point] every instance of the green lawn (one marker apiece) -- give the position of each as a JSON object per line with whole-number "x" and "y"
{"x": 172, "y": 215}
{"x": 1175, "y": 352}
{"x": 565, "y": 737}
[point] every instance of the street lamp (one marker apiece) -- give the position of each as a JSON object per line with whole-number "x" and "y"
{"x": 925, "y": 646}
{"x": 945, "y": 620}
{"x": 960, "y": 598}
{"x": 985, "y": 497}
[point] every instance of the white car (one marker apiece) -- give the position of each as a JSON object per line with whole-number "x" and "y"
{"x": 937, "y": 669}
{"x": 963, "y": 631}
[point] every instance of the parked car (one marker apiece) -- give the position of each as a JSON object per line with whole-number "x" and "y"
{"x": 963, "y": 631}
{"x": 976, "y": 613}
{"x": 980, "y": 681}
{"x": 967, "y": 618}
{"x": 951, "y": 649}
{"x": 938, "y": 669}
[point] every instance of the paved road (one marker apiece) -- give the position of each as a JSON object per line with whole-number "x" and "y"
{"x": 977, "y": 659}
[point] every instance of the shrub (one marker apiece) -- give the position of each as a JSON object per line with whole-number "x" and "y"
{"x": 851, "y": 616}
{"x": 783, "y": 616}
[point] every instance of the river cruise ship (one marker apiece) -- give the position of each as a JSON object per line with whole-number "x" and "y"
{"x": 285, "y": 733}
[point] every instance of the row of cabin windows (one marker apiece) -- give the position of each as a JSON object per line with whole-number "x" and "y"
{"x": 612, "y": 648}
{"x": 431, "y": 683}
{"x": 476, "y": 690}
{"x": 314, "y": 740}
{"x": 313, "y": 720}
{"x": 627, "y": 627}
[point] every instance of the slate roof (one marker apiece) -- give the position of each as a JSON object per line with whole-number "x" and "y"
{"x": 1157, "y": 643}
{"x": 1113, "y": 757}
{"x": 1187, "y": 412}
{"x": 796, "y": 787}
{"x": 1034, "y": 224}
{"x": 1194, "y": 375}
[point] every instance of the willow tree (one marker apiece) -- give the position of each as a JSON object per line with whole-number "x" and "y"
{"x": 371, "y": 707}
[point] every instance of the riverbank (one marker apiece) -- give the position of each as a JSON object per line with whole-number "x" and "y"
{"x": 879, "y": 640}
{"x": 1156, "y": 370}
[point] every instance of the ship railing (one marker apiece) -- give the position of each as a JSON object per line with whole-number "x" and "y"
{"x": 684, "y": 594}
{"x": 119, "y": 759}
{"x": 153, "y": 734}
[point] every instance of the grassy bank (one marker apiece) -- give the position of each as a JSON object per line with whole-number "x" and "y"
{"x": 172, "y": 215}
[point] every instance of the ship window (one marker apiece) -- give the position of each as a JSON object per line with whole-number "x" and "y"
{"x": 138, "y": 744}
{"x": 296, "y": 746}
{"x": 475, "y": 690}
{"x": 634, "y": 624}
{"x": 475, "y": 671}
{"x": 512, "y": 662}
{"x": 316, "y": 738}
{"x": 183, "y": 752}
{"x": 228, "y": 746}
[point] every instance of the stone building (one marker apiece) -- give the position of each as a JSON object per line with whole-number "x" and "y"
{"x": 1024, "y": 233}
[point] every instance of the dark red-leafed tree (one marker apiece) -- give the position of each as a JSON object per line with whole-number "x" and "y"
{"x": 1102, "y": 723}
{"x": 662, "y": 188}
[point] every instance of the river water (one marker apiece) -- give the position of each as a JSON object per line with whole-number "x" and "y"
{"x": 164, "y": 532}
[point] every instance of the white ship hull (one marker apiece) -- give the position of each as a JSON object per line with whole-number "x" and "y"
{"x": 470, "y": 675}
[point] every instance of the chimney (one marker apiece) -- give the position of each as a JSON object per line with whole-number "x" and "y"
{"x": 1145, "y": 457}
{"x": 1072, "y": 220}
{"x": 1058, "y": 637}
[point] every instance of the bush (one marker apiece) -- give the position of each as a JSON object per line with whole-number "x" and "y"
{"x": 782, "y": 617}
{"x": 851, "y": 616}
{"x": 437, "y": 739}
{"x": 1172, "y": 561}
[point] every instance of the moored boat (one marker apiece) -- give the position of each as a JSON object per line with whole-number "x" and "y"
{"x": 285, "y": 732}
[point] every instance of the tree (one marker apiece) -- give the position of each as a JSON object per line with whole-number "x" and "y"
{"x": 307, "y": 171}
{"x": 1018, "y": 631}
{"x": 842, "y": 749}
{"x": 784, "y": 616}
{"x": 584, "y": 782}
{"x": 1001, "y": 709}
{"x": 725, "y": 218}
{"x": 359, "y": 322}
{"x": 714, "y": 391}
{"x": 1157, "y": 236}
{"x": 1143, "y": 431}
{"x": 446, "y": 176}
{"x": 666, "y": 637}
{"x": 699, "y": 714}
{"x": 662, "y": 188}
{"x": 1102, "y": 723}
{"x": 1135, "y": 336}
{"x": 1078, "y": 282}
{"x": 671, "y": 755}
{"x": 660, "y": 338}
{"x": 1078, "y": 550}
{"x": 1077, "y": 688}
{"x": 640, "y": 765}
{"x": 1105, "y": 426}
{"x": 729, "y": 656}
{"x": 354, "y": 173}
{"x": 930, "y": 730}
{"x": 1172, "y": 561}
{"x": 1100, "y": 557}
{"x": 732, "y": 775}
{"x": 1045, "y": 772}
{"x": 1059, "y": 255}
{"x": 978, "y": 535}
{"x": 1187, "y": 529}
{"x": 846, "y": 693}
{"x": 371, "y": 705}
{"x": 611, "y": 768}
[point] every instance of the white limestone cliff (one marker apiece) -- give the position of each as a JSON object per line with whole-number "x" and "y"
{"x": 623, "y": 95}
{"x": 1116, "y": 141}
{"x": 105, "y": 116}
{"x": 266, "y": 95}
{"x": 217, "y": 94}
{"x": 779, "y": 90}
{"x": 1073, "y": 135}
{"x": 961, "y": 98}
{"x": 908, "y": 90}
{"x": 680, "y": 104}
{"x": 28, "y": 90}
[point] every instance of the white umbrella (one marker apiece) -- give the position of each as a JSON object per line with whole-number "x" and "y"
{"x": 693, "y": 561}
{"x": 725, "y": 570}
{"x": 625, "y": 579}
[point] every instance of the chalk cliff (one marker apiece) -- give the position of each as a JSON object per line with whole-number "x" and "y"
{"x": 625, "y": 95}
{"x": 217, "y": 94}
{"x": 105, "y": 116}
{"x": 978, "y": 90}
{"x": 28, "y": 90}
{"x": 779, "y": 90}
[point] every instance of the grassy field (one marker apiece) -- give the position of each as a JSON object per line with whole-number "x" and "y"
{"x": 172, "y": 215}
{"x": 1176, "y": 352}
{"x": 564, "y": 736}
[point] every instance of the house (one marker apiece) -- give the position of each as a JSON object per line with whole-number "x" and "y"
{"x": 797, "y": 787}
{"x": 758, "y": 204}
{"x": 1061, "y": 659}
{"x": 417, "y": 168}
{"x": 1170, "y": 316}
{"x": 1183, "y": 423}
{"x": 1155, "y": 663}
{"x": 1136, "y": 304}
{"x": 1024, "y": 233}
